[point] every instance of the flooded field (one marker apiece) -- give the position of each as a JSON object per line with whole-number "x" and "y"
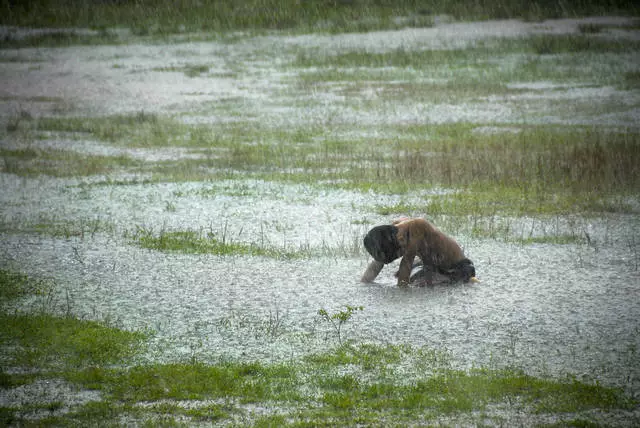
{"x": 548, "y": 307}
{"x": 251, "y": 141}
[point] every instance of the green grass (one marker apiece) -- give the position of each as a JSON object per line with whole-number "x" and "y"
{"x": 319, "y": 390}
{"x": 538, "y": 170}
{"x": 355, "y": 383}
{"x": 144, "y": 129}
{"x": 14, "y": 285}
{"x": 632, "y": 79}
{"x": 59, "y": 39}
{"x": 33, "y": 162}
{"x": 191, "y": 70}
{"x": 49, "y": 341}
{"x": 513, "y": 201}
{"x": 162, "y": 17}
{"x": 200, "y": 242}
{"x": 250, "y": 382}
{"x": 483, "y": 68}
{"x": 481, "y": 53}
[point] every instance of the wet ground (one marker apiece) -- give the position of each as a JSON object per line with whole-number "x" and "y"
{"x": 551, "y": 309}
{"x": 554, "y": 309}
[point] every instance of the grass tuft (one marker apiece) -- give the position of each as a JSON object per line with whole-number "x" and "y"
{"x": 48, "y": 341}
{"x": 192, "y": 242}
{"x": 14, "y": 285}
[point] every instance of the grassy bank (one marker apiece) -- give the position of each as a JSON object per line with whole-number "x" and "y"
{"x": 352, "y": 384}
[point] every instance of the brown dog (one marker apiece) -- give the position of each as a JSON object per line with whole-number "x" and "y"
{"x": 439, "y": 252}
{"x": 410, "y": 237}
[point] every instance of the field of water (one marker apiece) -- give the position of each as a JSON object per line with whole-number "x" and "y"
{"x": 104, "y": 146}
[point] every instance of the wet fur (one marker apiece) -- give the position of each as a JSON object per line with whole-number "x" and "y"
{"x": 461, "y": 270}
{"x": 438, "y": 252}
{"x": 382, "y": 243}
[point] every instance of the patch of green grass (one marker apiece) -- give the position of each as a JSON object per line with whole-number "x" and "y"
{"x": 400, "y": 57}
{"x": 48, "y": 341}
{"x": 58, "y": 39}
{"x": 13, "y": 285}
{"x": 368, "y": 356}
{"x": 191, "y": 70}
{"x": 482, "y": 69}
{"x": 460, "y": 392}
{"x": 67, "y": 229}
{"x": 33, "y": 162}
{"x": 511, "y": 201}
{"x": 149, "y": 129}
{"x": 353, "y": 383}
{"x": 481, "y": 54}
{"x": 145, "y": 130}
{"x": 554, "y": 239}
{"x": 197, "y": 243}
{"x": 346, "y": 393}
{"x": 547, "y": 44}
{"x": 250, "y": 382}
{"x": 632, "y": 79}
{"x": 162, "y": 17}
{"x": 536, "y": 170}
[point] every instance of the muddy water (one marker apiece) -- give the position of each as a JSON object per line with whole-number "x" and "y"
{"x": 551, "y": 309}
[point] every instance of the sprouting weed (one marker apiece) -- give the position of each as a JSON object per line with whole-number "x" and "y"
{"x": 338, "y": 319}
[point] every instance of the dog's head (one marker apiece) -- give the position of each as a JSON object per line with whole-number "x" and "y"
{"x": 382, "y": 243}
{"x": 464, "y": 271}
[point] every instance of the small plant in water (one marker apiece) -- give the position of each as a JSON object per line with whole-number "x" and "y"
{"x": 338, "y": 319}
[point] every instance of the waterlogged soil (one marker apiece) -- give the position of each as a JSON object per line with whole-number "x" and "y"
{"x": 201, "y": 80}
{"x": 553, "y": 309}
{"x": 550, "y": 309}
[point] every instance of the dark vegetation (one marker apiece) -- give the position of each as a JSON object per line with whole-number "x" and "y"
{"x": 157, "y": 17}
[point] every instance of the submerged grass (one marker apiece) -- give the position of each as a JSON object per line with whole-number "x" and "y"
{"x": 535, "y": 170}
{"x": 33, "y": 162}
{"x": 351, "y": 384}
{"x": 49, "y": 342}
{"x": 197, "y": 243}
{"x": 200, "y": 242}
{"x": 481, "y": 69}
{"x": 482, "y": 53}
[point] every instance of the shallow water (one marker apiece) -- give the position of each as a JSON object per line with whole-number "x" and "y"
{"x": 550, "y": 309}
